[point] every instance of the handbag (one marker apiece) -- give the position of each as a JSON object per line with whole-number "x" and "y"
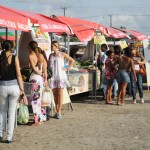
{"x": 49, "y": 72}
{"x": 142, "y": 70}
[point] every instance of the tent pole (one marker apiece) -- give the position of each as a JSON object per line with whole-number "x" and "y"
{"x": 68, "y": 46}
{"x": 95, "y": 73}
{"x": 6, "y": 33}
{"x": 16, "y": 37}
{"x": 68, "y": 43}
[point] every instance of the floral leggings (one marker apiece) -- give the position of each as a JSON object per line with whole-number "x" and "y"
{"x": 37, "y": 86}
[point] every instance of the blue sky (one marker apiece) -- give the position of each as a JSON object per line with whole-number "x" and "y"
{"x": 133, "y": 14}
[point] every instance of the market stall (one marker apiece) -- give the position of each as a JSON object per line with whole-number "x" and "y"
{"x": 84, "y": 76}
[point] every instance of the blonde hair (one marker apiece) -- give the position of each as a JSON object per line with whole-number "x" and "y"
{"x": 56, "y": 44}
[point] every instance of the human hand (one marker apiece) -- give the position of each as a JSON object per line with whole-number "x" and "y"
{"x": 64, "y": 69}
{"x": 22, "y": 92}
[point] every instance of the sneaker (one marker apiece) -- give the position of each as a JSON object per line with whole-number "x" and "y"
{"x": 142, "y": 100}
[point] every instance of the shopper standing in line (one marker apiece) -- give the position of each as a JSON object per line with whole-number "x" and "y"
{"x": 125, "y": 64}
{"x": 59, "y": 80}
{"x": 11, "y": 86}
{"x": 38, "y": 78}
{"x": 103, "y": 58}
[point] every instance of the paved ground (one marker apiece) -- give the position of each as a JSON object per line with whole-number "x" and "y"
{"x": 91, "y": 126}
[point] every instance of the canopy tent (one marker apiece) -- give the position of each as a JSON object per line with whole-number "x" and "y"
{"x": 12, "y": 20}
{"x": 46, "y": 23}
{"x": 115, "y": 33}
{"x": 139, "y": 36}
{"x": 8, "y": 33}
{"x": 83, "y": 29}
{"x": 10, "y": 36}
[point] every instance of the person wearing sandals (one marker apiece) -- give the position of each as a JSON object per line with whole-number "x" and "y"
{"x": 138, "y": 61}
{"x": 38, "y": 78}
{"x": 59, "y": 79}
{"x": 11, "y": 86}
{"x": 125, "y": 64}
{"x": 109, "y": 75}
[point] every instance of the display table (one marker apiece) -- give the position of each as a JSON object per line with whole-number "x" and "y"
{"x": 84, "y": 82}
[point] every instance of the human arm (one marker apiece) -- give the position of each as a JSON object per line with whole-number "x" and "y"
{"x": 19, "y": 76}
{"x": 71, "y": 60}
{"x": 132, "y": 69}
{"x": 103, "y": 60}
{"x": 141, "y": 60}
{"x": 45, "y": 71}
{"x": 33, "y": 66}
{"x": 99, "y": 50}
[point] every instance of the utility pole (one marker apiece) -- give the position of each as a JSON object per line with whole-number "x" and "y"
{"x": 65, "y": 36}
{"x": 64, "y": 8}
{"x": 110, "y": 20}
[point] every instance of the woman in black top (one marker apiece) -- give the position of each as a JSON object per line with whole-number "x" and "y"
{"x": 10, "y": 87}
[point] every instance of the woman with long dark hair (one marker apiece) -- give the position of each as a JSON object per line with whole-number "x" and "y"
{"x": 125, "y": 64}
{"x": 38, "y": 78}
{"x": 11, "y": 85}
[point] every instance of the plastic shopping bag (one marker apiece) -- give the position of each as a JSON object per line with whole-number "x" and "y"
{"x": 46, "y": 97}
{"x": 23, "y": 115}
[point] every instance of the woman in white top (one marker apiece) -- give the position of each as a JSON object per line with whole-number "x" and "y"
{"x": 59, "y": 79}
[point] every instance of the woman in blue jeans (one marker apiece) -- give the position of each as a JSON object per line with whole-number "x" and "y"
{"x": 138, "y": 61}
{"x": 11, "y": 86}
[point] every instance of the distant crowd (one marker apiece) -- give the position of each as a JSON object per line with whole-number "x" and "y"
{"x": 122, "y": 72}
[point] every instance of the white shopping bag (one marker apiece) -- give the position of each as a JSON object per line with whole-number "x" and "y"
{"x": 47, "y": 97}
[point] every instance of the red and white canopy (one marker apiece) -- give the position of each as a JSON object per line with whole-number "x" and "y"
{"x": 136, "y": 34}
{"x": 46, "y": 24}
{"x": 83, "y": 29}
{"x": 115, "y": 33}
{"x": 13, "y": 20}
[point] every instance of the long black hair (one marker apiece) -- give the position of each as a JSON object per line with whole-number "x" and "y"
{"x": 7, "y": 45}
{"x": 127, "y": 51}
{"x": 33, "y": 45}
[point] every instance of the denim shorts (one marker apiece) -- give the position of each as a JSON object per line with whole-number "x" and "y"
{"x": 109, "y": 81}
{"x": 122, "y": 76}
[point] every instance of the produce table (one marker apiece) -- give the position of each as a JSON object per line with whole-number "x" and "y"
{"x": 84, "y": 82}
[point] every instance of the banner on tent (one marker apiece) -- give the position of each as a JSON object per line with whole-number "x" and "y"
{"x": 42, "y": 38}
{"x": 123, "y": 44}
{"x": 100, "y": 39}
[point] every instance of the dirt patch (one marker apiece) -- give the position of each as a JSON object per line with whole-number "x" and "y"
{"x": 92, "y": 125}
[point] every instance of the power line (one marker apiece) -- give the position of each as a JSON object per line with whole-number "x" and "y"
{"x": 115, "y": 15}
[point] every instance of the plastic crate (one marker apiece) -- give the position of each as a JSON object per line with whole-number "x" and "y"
{"x": 28, "y": 88}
